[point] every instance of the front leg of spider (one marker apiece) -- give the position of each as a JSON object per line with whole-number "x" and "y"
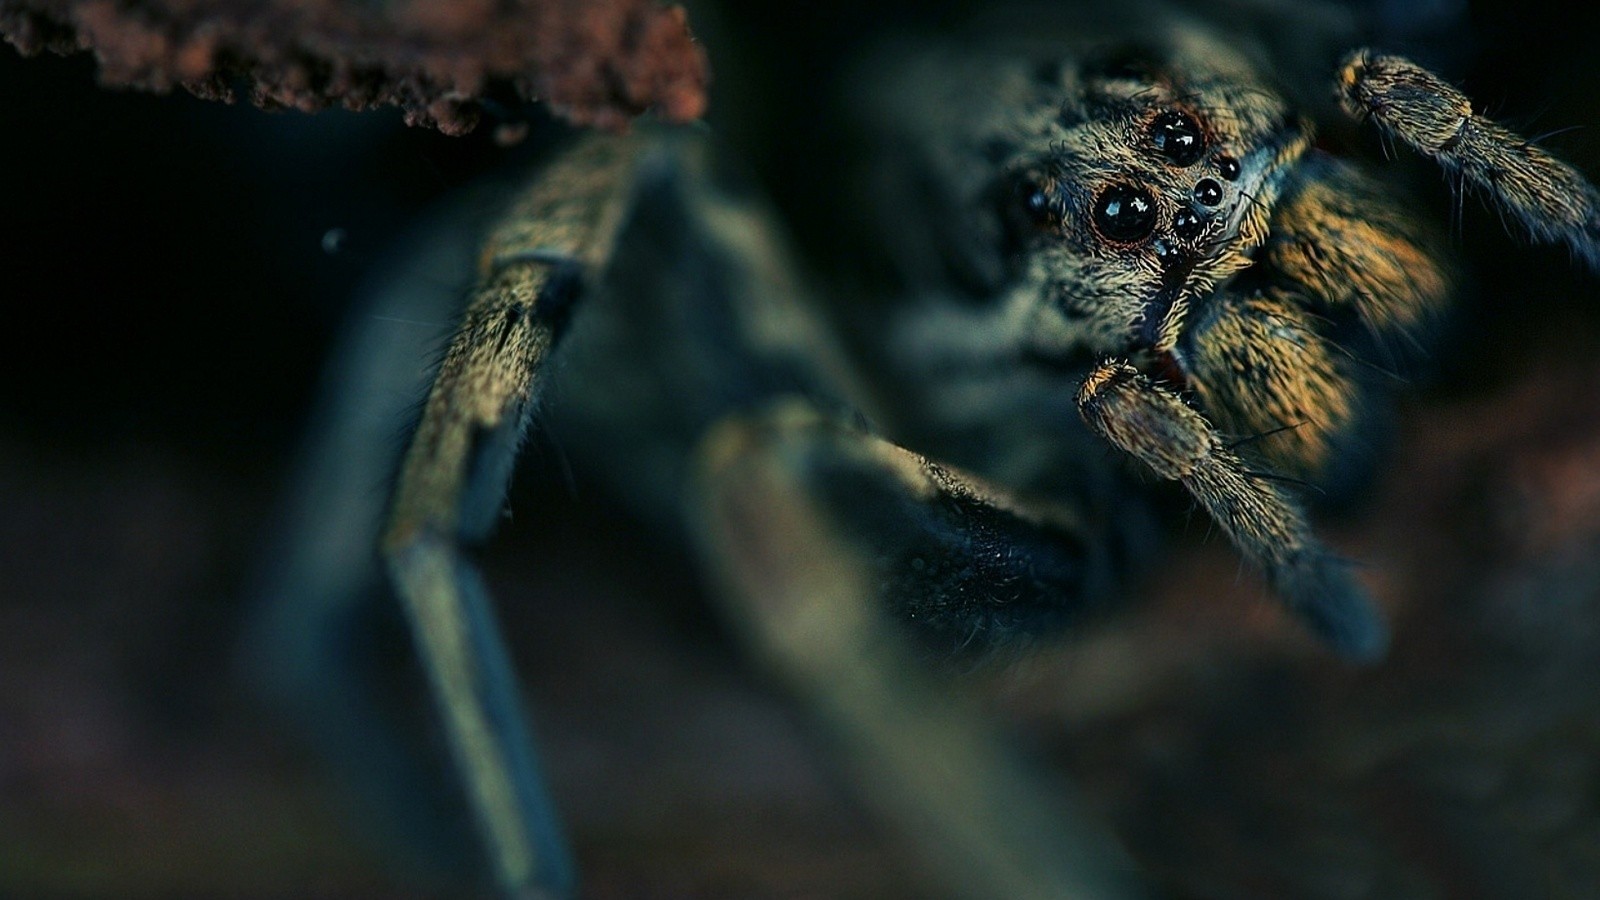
{"x": 452, "y": 485}
{"x": 1154, "y": 425}
{"x": 1548, "y": 199}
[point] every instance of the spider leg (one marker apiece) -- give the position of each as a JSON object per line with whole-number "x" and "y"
{"x": 320, "y": 645}
{"x": 1551, "y": 200}
{"x": 1151, "y": 423}
{"x": 785, "y": 499}
{"x": 453, "y": 480}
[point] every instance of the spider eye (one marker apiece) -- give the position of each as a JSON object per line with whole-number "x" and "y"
{"x": 1033, "y": 201}
{"x": 1037, "y": 205}
{"x": 1124, "y": 214}
{"x": 1176, "y": 135}
{"x": 1030, "y": 208}
{"x": 1208, "y": 192}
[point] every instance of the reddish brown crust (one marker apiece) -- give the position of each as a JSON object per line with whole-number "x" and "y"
{"x": 594, "y": 62}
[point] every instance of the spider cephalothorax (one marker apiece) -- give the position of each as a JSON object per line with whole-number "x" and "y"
{"x": 1149, "y": 190}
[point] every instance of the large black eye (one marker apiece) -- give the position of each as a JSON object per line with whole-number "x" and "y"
{"x": 1124, "y": 214}
{"x": 1176, "y": 135}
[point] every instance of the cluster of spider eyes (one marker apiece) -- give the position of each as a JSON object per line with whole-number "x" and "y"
{"x": 1125, "y": 213}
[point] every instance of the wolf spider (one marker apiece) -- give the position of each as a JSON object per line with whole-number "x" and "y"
{"x": 1103, "y": 270}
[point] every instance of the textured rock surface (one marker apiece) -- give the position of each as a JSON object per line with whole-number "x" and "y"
{"x": 597, "y": 63}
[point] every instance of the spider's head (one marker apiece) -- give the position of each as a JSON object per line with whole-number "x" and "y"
{"x": 1145, "y": 192}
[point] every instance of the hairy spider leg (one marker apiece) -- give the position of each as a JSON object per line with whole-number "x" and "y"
{"x": 321, "y": 644}
{"x": 452, "y": 485}
{"x": 1551, "y": 201}
{"x": 1152, "y": 423}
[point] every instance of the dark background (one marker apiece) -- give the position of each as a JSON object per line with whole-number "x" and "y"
{"x": 168, "y": 305}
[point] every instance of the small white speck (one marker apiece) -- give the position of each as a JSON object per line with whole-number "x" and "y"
{"x": 333, "y": 240}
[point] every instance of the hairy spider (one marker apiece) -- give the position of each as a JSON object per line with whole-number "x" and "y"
{"x": 1101, "y": 268}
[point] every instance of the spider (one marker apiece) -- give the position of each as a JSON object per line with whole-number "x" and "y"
{"x": 1105, "y": 272}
